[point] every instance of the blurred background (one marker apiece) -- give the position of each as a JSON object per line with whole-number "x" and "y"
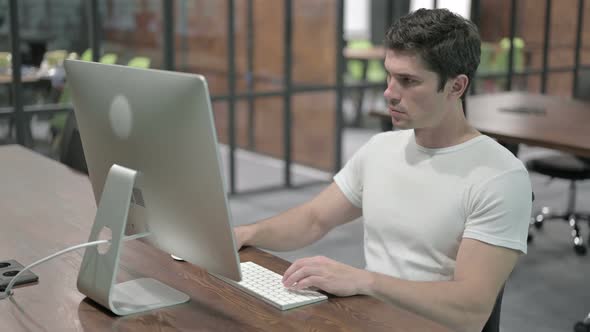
{"x": 281, "y": 79}
{"x": 297, "y": 88}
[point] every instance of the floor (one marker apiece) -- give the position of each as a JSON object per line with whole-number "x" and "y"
{"x": 547, "y": 291}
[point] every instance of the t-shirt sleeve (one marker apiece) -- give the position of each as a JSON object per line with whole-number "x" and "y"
{"x": 350, "y": 178}
{"x": 499, "y": 210}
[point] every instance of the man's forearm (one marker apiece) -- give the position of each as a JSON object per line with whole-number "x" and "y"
{"x": 451, "y": 303}
{"x": 302, "y": 225}
{"x": 293, "y": 229}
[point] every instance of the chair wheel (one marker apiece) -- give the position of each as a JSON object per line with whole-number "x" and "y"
{"x": 580, "y": 250}
{"x": 538, "y": 224}
{"x": 529, "y": 238}
{"x": 581, "y": 327}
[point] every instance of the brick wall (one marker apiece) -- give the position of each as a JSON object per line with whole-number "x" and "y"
{"x": 495, "y": 24}
{"x": 201, "y": 47}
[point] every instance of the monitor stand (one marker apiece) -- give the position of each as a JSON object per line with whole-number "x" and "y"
{"x": 98, "y": 271}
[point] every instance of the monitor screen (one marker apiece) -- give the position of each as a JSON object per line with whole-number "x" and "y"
{"x": 159, "y": 123}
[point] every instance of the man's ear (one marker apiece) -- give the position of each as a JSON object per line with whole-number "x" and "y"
{"x": 458, "y": 85}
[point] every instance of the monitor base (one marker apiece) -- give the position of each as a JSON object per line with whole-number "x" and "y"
{"x": 98, "y": 270}
{"x": 144, "y": 294}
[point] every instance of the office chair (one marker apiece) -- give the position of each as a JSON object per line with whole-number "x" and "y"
{"x": 568, "y": 167}
{"x": 70, "y": 151}
{"x": 583, "y": 326}
{"x": 493, "y": 323}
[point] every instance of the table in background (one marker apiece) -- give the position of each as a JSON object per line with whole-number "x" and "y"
{"x": 525, "y": 118}
{"x": 32, "y": 79}
{"x": 539, "y": 120}
{"x": 7, "y": 79}
{"x": 363, "y": 55}
{"x": 47, "y": 207}
{"x": 374, "y": 53}
{"x": 41, "y": 86}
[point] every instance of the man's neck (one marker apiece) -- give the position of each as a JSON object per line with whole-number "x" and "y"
{"x": 453, "y": 129}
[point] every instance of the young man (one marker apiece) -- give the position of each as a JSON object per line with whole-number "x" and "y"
{"x": 445, "y": 209}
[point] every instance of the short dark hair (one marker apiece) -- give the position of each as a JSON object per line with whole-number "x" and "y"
{"x": 448, "y": 44}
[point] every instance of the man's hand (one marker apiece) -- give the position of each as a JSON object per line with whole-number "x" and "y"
{"x": 328, "y": 275}
{"x": 240, "y": 236}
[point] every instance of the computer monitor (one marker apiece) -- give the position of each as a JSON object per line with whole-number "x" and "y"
{"x": 159, "y": 123}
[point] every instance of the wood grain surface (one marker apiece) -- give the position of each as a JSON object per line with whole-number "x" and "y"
{"x": 46, "y": 207}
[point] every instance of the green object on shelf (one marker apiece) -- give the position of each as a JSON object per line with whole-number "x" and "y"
{"x": 139, "y": 62}
{"x": 375, "y": 70}
{"x": 87, "y": 55}
{"x": 109, "y": 59}
{"x": 487, "y": 59}
{"x": 5, "y": 61}
{"x": 517, "y": 57}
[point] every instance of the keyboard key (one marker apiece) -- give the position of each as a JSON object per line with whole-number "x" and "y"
{"x": 267, "y": 285}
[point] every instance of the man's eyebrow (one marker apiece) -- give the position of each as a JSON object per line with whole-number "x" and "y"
{"x": 403, "y": 74}
{"x": 400, "y": 73}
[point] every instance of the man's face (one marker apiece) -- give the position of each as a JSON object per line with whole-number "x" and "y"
{"x": 412, "y": 95}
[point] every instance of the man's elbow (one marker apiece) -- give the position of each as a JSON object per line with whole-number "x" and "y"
{"x": 474, "y": 314}
{"x": 317, "y": 228}
{"x": 471, "y": 323}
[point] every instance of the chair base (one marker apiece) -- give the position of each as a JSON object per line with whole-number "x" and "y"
{"x": 583, "y": 326}
{"x": 572, "y": 219}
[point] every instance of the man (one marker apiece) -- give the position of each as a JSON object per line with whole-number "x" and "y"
{"x": 445, "y": 209}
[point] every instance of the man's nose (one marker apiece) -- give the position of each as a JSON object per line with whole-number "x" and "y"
{"x": 392, "y": 95}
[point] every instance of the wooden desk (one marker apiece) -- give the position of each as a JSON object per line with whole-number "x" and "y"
{"x": 374, "y": 53}
{"x": 538, "y": 120}
{"x": 363, "y": 55}
{"x": 7, "y": 79}
{"x": 47, "y": 207}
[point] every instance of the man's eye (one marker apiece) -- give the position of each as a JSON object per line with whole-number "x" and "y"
{"x": 407, "y": 81}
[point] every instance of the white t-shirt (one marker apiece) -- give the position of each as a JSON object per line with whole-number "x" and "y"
{"x": 418, "y": 203}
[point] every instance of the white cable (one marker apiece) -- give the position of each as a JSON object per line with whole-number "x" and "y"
{"x": 8, "y": 290}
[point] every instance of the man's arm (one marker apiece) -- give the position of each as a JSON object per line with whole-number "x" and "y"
{"x": 302, "y": 225}
{"x": 463, "y": 304}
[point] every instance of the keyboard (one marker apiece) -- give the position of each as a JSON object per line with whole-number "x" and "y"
{"x": 267, "y": 286}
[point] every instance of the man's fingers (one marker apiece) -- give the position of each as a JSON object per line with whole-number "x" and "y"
{"x": 301, "y": 273}
{"x": 310, "y": 281}
{"x": 294, "y": 267}
{"x": 308, "y": 261}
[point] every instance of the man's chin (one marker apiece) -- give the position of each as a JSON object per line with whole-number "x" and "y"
{"x": 401, "y": 125}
